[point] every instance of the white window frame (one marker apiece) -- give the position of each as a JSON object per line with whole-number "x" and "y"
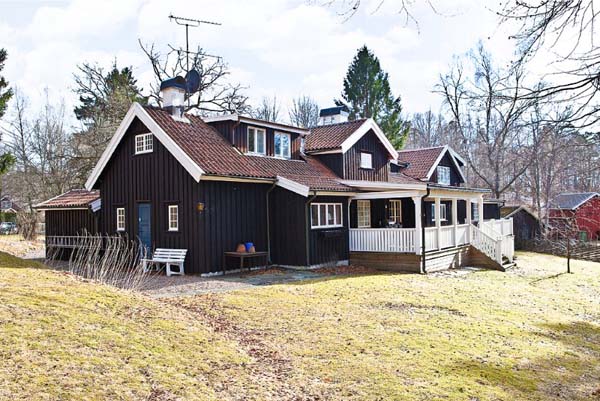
{"x": 366, "y": 162}
{"x": 338, "y": 218}
{"x": 364, "y": 207}
{"x": 144, "y": 143}
{"x": 443, "y": 212}
{"x": 121, "y": 219}
{"x": 173, "y": 224}
{"x": 475, "y": 211}
{"x": 444, "y": 178}
{"x": 256, "y": 142}
{"x": 395, "y": 212}
{"x": 281, "y": 155}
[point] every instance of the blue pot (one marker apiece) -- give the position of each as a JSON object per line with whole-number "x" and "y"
{"x": 248, "y": 245}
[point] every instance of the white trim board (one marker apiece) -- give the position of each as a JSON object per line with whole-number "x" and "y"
{"x": 254, "y": 121}
{"x": 293, "y": 186}
{"x": 368, "y": 125}
{"x": 138, "y": 111}
{"x": 382, "y": 185}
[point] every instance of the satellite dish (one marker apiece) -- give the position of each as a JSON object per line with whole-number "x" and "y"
{"x": 192, "y": 81}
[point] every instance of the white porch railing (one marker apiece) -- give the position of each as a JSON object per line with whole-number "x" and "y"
{"x": 503, "y": 227}
{"x": 382, "y": 239}
{"x": 489, "y": 245}
{"x": 462, "y": 234}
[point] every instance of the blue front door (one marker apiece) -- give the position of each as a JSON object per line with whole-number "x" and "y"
{"x": 144, "y": 225}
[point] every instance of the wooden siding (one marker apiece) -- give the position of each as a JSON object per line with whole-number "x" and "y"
{"x": 233, "y": 212}
{"x": 368, "y": 143}
{"x": 526, "y": 227}
{"x": 329, "y": 245}
{"x": 70, "y": 222}
{"x": 491, "y": 211}
{"x": 334, "y": 161}
{"x": 403, "y": 262}
{"x": 288, "y": 228}
{"x": 237, "y": 133}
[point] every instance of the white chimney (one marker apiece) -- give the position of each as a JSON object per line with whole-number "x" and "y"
{"x": 173, "y": 96}
{"x": 333, "y": 115}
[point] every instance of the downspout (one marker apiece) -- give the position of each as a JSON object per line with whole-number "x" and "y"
{"x": 423, "y": 221}
{"x": 269, "y": 261}
{"x": 307, "y": 223}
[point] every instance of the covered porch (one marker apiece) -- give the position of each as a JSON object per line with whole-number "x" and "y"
{"x": 388, "y": 223}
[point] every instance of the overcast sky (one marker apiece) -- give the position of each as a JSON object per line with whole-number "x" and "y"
{"x": 277, "y": 47}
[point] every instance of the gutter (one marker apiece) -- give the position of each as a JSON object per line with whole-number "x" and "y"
{"x": 307, "y": 222}
{"x": 269, "y": 261}
{"x": 423, "y": 214}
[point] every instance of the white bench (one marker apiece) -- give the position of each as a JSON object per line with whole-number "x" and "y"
{"x": 169, "y": 257}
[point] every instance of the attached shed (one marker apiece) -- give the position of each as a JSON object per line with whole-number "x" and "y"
{"x": 71, "y": 213}
{"x": 526, "y": 224}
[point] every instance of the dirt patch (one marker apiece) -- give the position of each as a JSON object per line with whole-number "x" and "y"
{"x": 408, "y": 307}
{"x": 337, "y": 270}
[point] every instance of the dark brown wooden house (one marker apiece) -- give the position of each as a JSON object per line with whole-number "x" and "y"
{"x": 526, "y": 224}
{"x": 338, "y": 193}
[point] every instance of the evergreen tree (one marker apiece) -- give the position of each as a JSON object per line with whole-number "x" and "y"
{"x": 104, "y": 99}
{"x": 6, "y": 159}
{"x": 367, "y": 94}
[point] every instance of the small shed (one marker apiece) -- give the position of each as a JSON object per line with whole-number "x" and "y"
{"x": 71, "y": 213}
{"x": 526, "y": 224}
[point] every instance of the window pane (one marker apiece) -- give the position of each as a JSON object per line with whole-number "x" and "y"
{"x": 322, "y": 215}
{"x": 338, "y": 214}
{"x": 314, "y": 215}
{"x": 285, "y": 145}
{"x": 330, "y": 215}
{"x": 251, "y": 139}
{"x": 260, "y": 141}
{"x": 278, "y": 145}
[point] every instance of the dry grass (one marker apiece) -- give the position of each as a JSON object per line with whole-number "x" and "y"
{"x": 16, "y": 245}
{"x": 530, "y": 334}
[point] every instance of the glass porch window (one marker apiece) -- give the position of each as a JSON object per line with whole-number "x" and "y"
{"x": 363, "y": 208}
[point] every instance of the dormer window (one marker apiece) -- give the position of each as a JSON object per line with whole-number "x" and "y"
{"x": 282, "y": 145}
{"x": 443, "y": 175}
{"x": 143, "y": 143}
{"x": 366, "y": 160}
{"x": 256, "y": 141}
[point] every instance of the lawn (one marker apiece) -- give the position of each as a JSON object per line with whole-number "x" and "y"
{"x": 529, "y": 334}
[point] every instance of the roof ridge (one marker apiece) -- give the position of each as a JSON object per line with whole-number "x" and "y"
{"x": 342, "y": 123}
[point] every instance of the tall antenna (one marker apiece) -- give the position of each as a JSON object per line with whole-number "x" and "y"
{"x": 189, "y": 22}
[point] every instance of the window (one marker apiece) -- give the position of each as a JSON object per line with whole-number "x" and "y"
{"x": 326, "y": 215}
{"x": 443, "y": 175}
{"x": 143, "y": 143}
{"x": 395, "y": 212}
{"x": 256, "y": 141}
{"x": 366, "y": 160}
{"x": 282, "y": 145}
{"x": 6, "y": 205}
{"x": 363, "y": 208}
{"x": 443, "y": 215}
{"x": 173, "y": 218}
{"x": 120, "y": 219}
{"x": 475, "y": 214}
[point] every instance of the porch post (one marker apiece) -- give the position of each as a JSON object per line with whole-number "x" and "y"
{"x": 417, "y": 202}
{"x": 480, "y": 209}
{"x": 455, "y": 220}
{"x": 438, "y": 222}
{"x": 468, "y": 219}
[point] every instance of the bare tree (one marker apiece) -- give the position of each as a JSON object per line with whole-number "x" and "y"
{"x": 566, "y": 28}
{"x": 268, "y": 109}
{"x": 427, "y": 130}
{"x": 487, "y": 114}
{"x": 214, "y": 95}
{"x": 304, "y": 112}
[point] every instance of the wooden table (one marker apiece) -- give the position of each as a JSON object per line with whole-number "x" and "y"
{"x": 242, "y": 256}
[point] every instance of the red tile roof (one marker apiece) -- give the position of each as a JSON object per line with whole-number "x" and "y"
{"x": 420, "y": 160}
{"x": 217, "y": 156}
{"x": 401, "y": 178}
{"x": 331, "y": 136}
{"x": 70, "y": 199}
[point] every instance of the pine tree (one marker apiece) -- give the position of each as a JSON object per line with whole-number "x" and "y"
{"x": 5, "y": 92}
{"x": 367, "y": 94}
{"x": 6, "y": 160}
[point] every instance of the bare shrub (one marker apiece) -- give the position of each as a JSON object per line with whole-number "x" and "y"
{"x": 27, "y": 222}
{"x": 112, "y": 260}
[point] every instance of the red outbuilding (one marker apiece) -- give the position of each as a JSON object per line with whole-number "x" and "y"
{"x": 576, "y": 214}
